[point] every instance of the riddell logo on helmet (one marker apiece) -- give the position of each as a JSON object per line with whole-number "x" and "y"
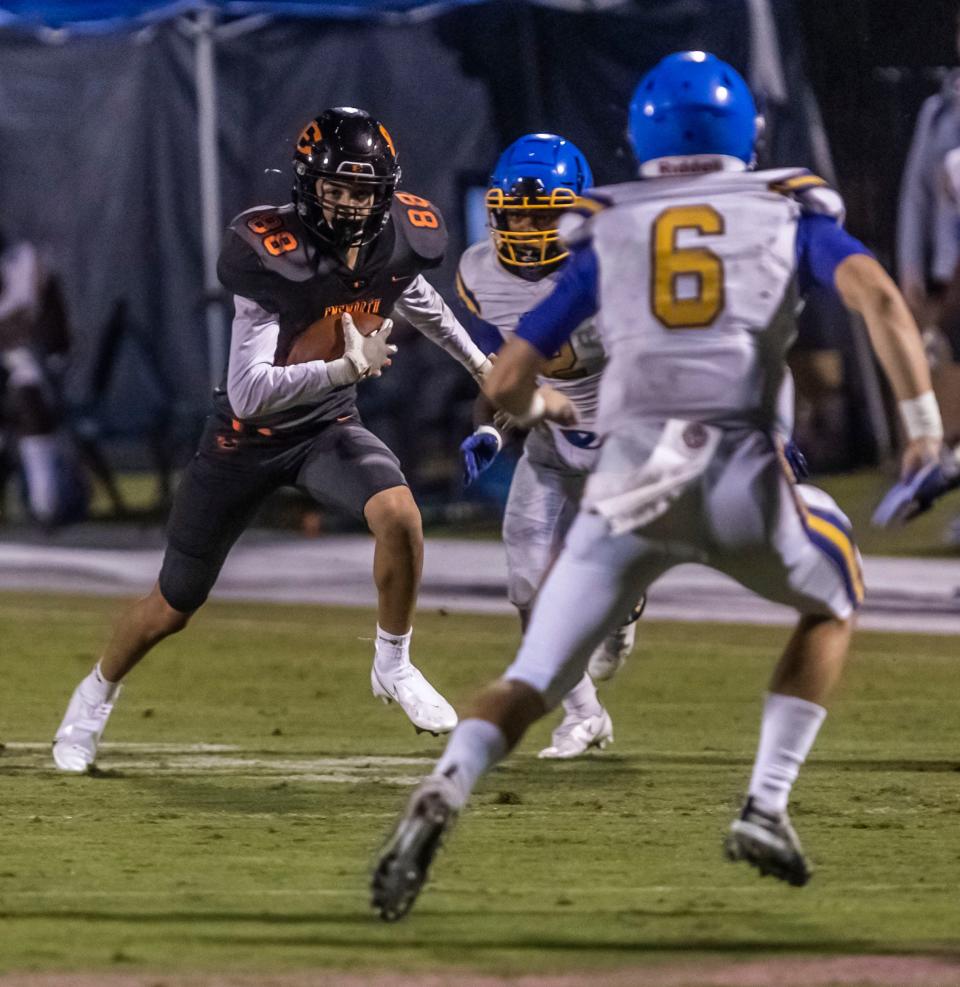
{"x": 688, "y": 166}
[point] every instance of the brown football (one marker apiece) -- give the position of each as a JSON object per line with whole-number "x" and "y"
{"x": 323, "y": 339}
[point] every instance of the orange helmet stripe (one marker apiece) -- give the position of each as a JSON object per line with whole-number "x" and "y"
{"x": 388, "y": 139}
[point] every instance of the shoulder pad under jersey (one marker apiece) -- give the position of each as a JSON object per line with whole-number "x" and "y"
{"x": 592, "y": 201}
{"x": 419, "y": 222}
{"x": 278, "y": 239}
{"x": 814, "y": 195}
{"x": 575, "y": 228}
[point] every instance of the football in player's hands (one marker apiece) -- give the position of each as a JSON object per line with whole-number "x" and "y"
{"x": 323, "y": 339}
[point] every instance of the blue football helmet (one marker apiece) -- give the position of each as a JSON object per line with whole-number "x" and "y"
{"x": 537, "y": 177}
{"x": 690, "y": 104}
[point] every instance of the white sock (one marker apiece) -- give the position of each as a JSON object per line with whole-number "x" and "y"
{"x": 392, "y": 650}
{"x": 96, "y": 688}
{"x": 474, "y": 747}
{"x": 38, "y": 454}
{"x": 787, "y": 732}
{"x": 581, "y": 700}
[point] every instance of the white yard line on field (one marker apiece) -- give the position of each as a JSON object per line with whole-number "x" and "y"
{"x": 226, "y": 760}
{"x": 146, "y": 748}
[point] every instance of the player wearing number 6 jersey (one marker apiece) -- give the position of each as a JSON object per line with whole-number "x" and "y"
{"x": 693, "y": 274}
{"x": 314, "y": 283}
{"x": 536, "y": 180}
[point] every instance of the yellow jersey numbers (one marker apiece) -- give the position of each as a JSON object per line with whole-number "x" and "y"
{"x": 564, "y": 364}
{"x": 687, "y": 282}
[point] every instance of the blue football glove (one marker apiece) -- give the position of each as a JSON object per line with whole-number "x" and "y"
{"x": 796, "y": 460}
{"x": 478, "y": 451}
{"x": 917, "y": 494}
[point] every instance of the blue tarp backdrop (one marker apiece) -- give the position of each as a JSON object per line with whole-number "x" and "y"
{"x": 114, "y": 15}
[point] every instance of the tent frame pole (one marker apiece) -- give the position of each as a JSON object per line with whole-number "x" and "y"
{"x": 210, "y": 207}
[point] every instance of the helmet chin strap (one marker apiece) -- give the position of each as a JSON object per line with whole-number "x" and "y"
{"x": 693, "y": 164}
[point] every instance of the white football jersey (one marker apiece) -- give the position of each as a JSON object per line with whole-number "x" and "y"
{"x": 495, "y": 295}
{"x": 696, "y": 291}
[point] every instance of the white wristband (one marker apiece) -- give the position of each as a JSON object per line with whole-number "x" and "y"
{"x": 921, "y": 417}
{"x": 533, "y": 414}
{"x": 490, "y": 430}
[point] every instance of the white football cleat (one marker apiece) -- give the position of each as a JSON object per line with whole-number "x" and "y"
{"x": 577, "y": 734}
{"x": 610, "y": 654}
{"x": 427, "y": 710}
{"x": 76, "y": 741}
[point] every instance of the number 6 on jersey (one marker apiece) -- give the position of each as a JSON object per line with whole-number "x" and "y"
{"x": 670, "y": 263}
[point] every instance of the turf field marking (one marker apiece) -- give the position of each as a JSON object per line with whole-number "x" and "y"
{"x": 227, "y": 760}
{"x": 150, "y": 748}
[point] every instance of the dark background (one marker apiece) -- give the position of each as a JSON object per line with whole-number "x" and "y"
{"x": 872, "y": 63}
{"x": 99, "y": 162}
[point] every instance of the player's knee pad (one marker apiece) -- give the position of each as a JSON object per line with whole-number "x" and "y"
{"x": 521, "y": 591}
{"x": 528, "y": 559}
{"x": 185, "y": 580}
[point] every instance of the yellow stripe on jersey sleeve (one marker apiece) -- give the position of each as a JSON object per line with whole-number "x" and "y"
{"x": 467, "y": 296}
{"x": 797, "y": 184}
{"x": 587, "y": 206}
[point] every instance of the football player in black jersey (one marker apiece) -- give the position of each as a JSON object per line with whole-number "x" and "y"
{"x": 349, "y": 248}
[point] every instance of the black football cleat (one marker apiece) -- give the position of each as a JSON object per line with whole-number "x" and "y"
{"x": 405, "y": 860}
{"x": 768, "y": 842}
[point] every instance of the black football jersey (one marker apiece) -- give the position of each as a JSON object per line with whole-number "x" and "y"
{"x": 269, "y": 256}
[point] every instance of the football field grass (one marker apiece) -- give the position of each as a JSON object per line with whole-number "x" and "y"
{"x": 248, "y": 778}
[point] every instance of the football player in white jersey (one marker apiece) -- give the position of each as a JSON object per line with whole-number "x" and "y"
{"x": 693, "y": 272}
{"x": 535, "y": 180}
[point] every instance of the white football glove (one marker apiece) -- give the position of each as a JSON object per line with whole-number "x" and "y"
{"x": 363, "y": 356}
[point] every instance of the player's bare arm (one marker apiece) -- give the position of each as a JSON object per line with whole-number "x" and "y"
{"x": 865, "y": 287}
{"x": 483, "y": 410}
{"x": 512, "y": 386}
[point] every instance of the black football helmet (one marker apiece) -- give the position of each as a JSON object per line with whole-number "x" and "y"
{"x": 345, "y": 146}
